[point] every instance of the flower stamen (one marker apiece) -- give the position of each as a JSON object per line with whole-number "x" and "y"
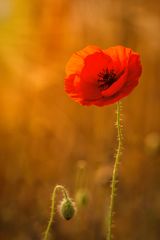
{"x": 106, "y": 78}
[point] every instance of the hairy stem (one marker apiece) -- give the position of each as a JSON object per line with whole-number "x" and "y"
{"x": 114, "y": 174}
{"x": 51, "y": 220}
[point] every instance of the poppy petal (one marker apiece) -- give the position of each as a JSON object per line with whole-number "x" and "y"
{"x": 76, "y": 62}
{"x": 89, "y": 50}
{"x": 120, "y": 56}
{"x": 72, "y": 86}
{"x": 94, "y": 64}
{"x": 134, "y": 67}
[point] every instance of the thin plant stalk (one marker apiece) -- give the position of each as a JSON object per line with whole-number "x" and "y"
{"x": 52, "y": 214}
{"x": 115, "y": 173}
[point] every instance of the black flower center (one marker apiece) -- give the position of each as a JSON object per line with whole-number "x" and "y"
{"x": 106, "y": 78}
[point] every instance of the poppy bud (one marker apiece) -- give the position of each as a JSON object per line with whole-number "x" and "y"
{"x": 67, "y": 208}
{"x": 82, "y": 198}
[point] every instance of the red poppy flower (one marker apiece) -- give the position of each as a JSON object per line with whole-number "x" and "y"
{"x": 101, "y": 77}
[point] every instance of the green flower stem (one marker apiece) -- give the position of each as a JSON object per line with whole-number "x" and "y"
{"x": 115, "y": 173}
{"x": 51, "y": 220}
{"x": 80, "y": 177}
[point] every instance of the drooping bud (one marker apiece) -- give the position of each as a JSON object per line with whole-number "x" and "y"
{"x": 67, "y": 208}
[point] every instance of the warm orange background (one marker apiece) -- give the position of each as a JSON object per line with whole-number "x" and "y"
{"x": 44, "y": 134}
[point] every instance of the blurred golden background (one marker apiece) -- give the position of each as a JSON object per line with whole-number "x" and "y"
{"x": 45, "y": 137}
